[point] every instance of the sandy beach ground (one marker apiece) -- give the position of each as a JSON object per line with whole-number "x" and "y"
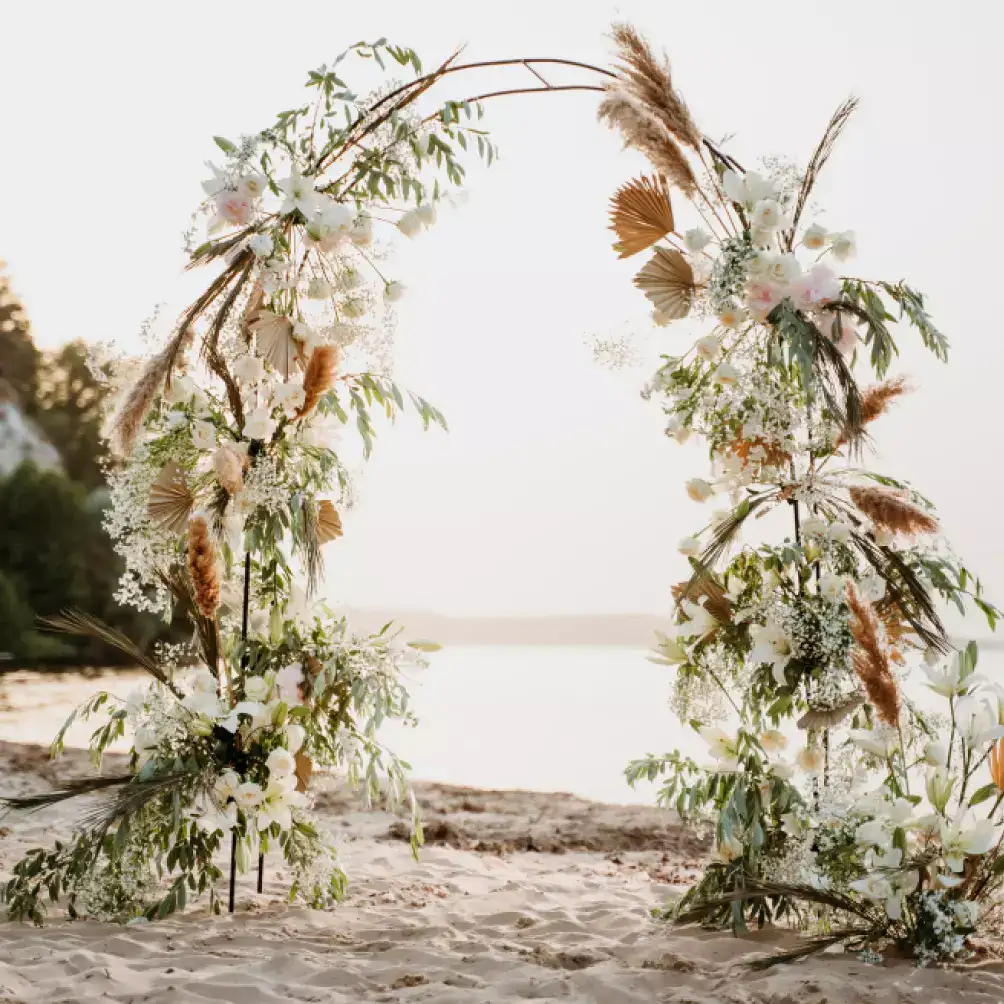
{"x": 517, "y": 896}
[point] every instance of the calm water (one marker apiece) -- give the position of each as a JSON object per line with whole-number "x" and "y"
{"x": 550, "y": 718}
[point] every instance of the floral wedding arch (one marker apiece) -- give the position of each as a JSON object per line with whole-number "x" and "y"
{"x": 230, "y": 487}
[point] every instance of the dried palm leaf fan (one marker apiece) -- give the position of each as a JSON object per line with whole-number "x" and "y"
{"x": 329, "y": 523}
{"x": 668, "y": 281}
{"x": 640, "y": 214}
{"x": 171, "y": 499}
{"x": 830, "y": 718}
{"x": 276, "y": 344}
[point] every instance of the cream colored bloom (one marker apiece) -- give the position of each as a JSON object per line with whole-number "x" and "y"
{"x": 708, "y": 347}
{"x": 810, "y": 760}
{"x": 726, "y": 375}
{"x": 696, "y": 240}
{"x": 700, "y": 490}
{"x": 773, "y": 741}
{"x": 410, "y": 223}
{"x": 814, "y": 239}
{"x": 690, "y": 546}
{"x": 732, "y": 317}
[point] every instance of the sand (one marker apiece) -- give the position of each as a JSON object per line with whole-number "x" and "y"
{"x": 518, "y": 896}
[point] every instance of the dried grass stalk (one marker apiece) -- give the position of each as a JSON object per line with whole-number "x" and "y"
{"x": 891, "y": 510}
{"x": 871, "y": 659}
{"x": 641, "y": 130}
{"x": 649, "y": 79}
{"x": 875, "y": 401}
{"x": 319, "y": 378}
{"x": 202, "y": 567}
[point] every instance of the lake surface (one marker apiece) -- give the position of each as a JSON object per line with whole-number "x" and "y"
{"x": 550, "y": 718}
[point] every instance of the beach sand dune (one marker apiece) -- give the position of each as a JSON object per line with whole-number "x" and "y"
{"x": 518, "y": 896}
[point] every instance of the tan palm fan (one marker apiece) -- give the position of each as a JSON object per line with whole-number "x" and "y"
{"x": 276, "y": 344}
{"x": 830, "y": 718}
{"x": 329, "y": 523}
{"x": 171, "y": 500}
{"x": 640, "y": 214}
{"x": 668, "y": 281}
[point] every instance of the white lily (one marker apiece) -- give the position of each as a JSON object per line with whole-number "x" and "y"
{"x": 881, "y": 742}
{"x": 962, "y": 837}
{"x": 771, "y": 645}
{"x": 721, "y": 745}
{"x": 668, "y": 651}
{"x": 699, "y": 622}
{"x": 300, "y": 194}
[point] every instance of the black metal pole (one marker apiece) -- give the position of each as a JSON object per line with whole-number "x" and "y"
{"x": 261, "y": 872}
{"x": 244, "y": 638}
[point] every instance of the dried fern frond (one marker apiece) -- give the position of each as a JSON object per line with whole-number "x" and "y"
{"x": 871, "y": 658}
{"x": 319, "y": 377}
{"x": 202, "y": 567}
{"x": 641, "y": 130}
{"x": 891, "y": 510}
{"x": 649, "y": 79}
{"x": 640, "y": 214}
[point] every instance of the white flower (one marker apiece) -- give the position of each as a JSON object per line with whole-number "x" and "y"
{"x": 810, "y": 760}
{"x": 961, "y": 838}
{"x": 410, "y": 224}
{"x": 280, "y": 762}
{"x": 259, "y": 424}
{"x": 843, "y": 245}
{"x": 813, "y": 527}
{"x": 262, "y": 245}
{"x": 696, "y": 240}
{"x": 393, "y": 291}
{"x": 288, "y": 396}
{"x": 792, "y": 824}
{"x": 276, "y": 807}
{"x": 767, "y": 215}
{"x": 936, "y": 753}
{"x": 814, "y": 239}
{"x": 833, "y": 586}
{"x": 231, "y": 207}
{"x": 698, "y": 623}
{"x": 231, "y": 720}
{"x": 773, "y": 741}
{"x": 361, "y": 232}
{"x": 226, "y": 785}
{"x": 249, "y": 369}
{"x": 690, "y": 546}
{"x": 204, "y": 435}
{"x": 318, "y": 288}
{"x": 771, "y": 646}
{"x": 676, "y": 428}
{"x": 881, "y": 742}
{"x": 732, "y": 317}
{"x": 839, "y": 532}
{"x": 876, "y": 887}
{"x": 708, "y": 347}
{"x": 668, "y": 651}
{"x": 426, "y": 213}
{"x": 257, "y": 688}
{"x": 248, "y": 795}
{"x": 294, "y": 736}
{"x": 946, "y": 679}
{"x": 219, "y": 820}
{"x": 779, "y": 267}
{"x": 330, "y": 224}
{"x": 939, "y": 786}
{"x": 978, "y": 719}
{"x": 967, "y": 913}
{"x": 699, "y": 489}
{"x": 734, "y": 186}
{"x": 354, "y": 307}
{"x": 874, "y": 833}
{"x": 299, "y": 192}
{"x": 726, "y": 375}
{"x": 721, "y": 745}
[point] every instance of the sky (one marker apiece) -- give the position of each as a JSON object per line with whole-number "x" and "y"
{"x": 555, "y": 491}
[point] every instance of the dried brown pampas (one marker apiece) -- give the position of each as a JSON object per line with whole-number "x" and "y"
{"x": 650, "y": 81}
{"x": 319, "y": 378}
{"x": 875, "y": 401}
{"x": 891, "y": 510}
{"x": 871, "y": 659}
{"x": 640, "y": 129}
{"x": 202, "y": 567}
{"x": 128, "y": 419}
{"x": 229, "y": 465}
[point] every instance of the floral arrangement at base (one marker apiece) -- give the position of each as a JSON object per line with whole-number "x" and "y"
{"x": 231, "y": 481}
{"x": 855, "y": 770}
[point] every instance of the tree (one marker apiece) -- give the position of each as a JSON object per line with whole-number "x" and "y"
{"x": 19, "y": 358}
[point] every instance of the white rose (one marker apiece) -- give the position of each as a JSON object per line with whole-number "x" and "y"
{"x": 280, "y": 762}
{"x": 249, "y": 369}
{"x": 708, "y": 347}
{"x": 773, "y": 741}
{"x": 810, "y": 760}
{"x": 839, "y": 531}
{"x": 767, "y": 216}
{"x": 726, "y": 375}
{"x": 690, "y": 547}
{"x": 732, "y": 317}
{"x": 248, "y": 795}
{"x": 361, "y": 232}
{"x": 696, "y": 240}
{"x": 833, "y": 587}
{"x": 259, "y": 424}
{"x": 204, "y": 435}
{"x": 699, "y": 489}
{"x": 256, "y": 688}
{"x": 410, "y": 224}
{"x": 844, "y": 245}
{"x": 735, "y": 187}
{"x": 814, "y": 239}
{"x": 677, "y": 429}
{"x": 426, "y": 213}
